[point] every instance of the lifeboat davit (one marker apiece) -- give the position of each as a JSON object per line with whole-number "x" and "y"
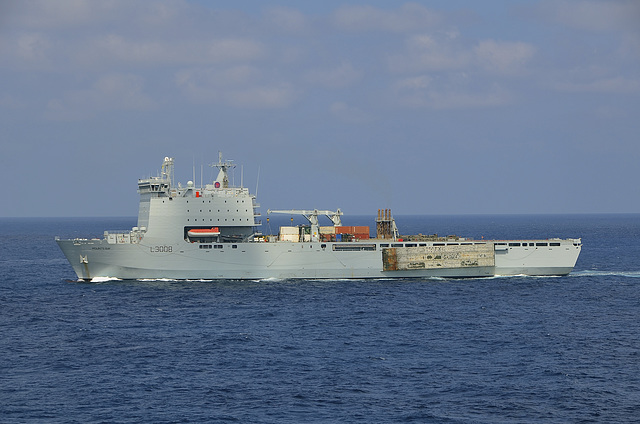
{"x": 204, "y": 232}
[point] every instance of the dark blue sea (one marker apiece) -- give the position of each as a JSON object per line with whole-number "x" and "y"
{"x": 496, "y": 350}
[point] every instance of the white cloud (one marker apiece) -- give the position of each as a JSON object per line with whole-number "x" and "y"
{"x": 599, "y": 48}
{"x": 27, "y": 50}
{"x": 115, "y": 48}
{"x": 504, "y": 57}
{"x": 140, "y": 52}
{"x": 234, "y": 49}
{"x": 212, "y": 84}
{"x": 494, "y": 97}
{"x": 427, "y": 92}
{"x": 337, "y": 77}
{"x": 429, "y": 53}
{"x": 91, "y": 15}
{"x": 100, "y": 34}
{"x": 613, "y": 85}
{"x": 414, "y": 83}
{"x": 592, "y": 15}
{"x": 443, "y": 52}
{"x": 264, "y": 97}
{"x": 110, "y": 92}
{"x": 409, "y": 17}
{"x": 61, "y": 14}
{"x": 286, "y": 20}
{"x": 239, "y": 86}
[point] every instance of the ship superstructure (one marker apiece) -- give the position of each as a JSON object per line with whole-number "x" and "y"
{"x": 211, "y": 232}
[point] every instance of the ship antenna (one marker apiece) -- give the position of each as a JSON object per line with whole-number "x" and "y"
{"x": 258, "y": 182}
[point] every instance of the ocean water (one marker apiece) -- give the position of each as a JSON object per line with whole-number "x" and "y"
{"x": 495, "y": 350}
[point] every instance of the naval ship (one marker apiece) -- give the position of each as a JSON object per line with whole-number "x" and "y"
{"x": 212, "y": 232}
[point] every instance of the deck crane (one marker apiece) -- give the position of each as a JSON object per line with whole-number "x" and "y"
{"x": 312, "y": 217}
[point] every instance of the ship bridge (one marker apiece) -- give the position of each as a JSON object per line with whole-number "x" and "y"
{"x": 167, "y": 208}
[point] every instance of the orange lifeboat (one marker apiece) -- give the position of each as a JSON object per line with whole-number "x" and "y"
{"x": 204, "y": 232}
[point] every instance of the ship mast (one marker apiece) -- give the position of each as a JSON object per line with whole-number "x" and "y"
{"x": 222, "y": 180}
{"x": 167, "y": 170}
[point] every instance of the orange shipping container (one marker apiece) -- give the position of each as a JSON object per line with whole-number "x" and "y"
{"x": 352, "y": 230}
{"x": 361, "y": 230}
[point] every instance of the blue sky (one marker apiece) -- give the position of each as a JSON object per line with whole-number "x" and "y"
{"x": 427, "y": 107}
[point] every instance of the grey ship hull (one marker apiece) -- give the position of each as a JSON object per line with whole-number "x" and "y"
{"x": 283, "y": 260}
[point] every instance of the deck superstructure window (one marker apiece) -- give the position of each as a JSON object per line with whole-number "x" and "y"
{"x": 514, "y": 244}
{"x": 541, "y": 244}
{"x": 554, "y": 244}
